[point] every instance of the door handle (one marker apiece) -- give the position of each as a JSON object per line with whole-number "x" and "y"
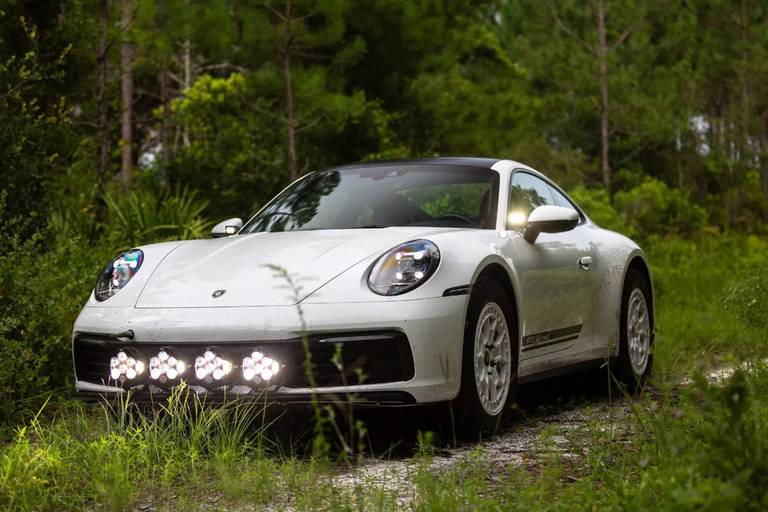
{"x": 585, "y": 262}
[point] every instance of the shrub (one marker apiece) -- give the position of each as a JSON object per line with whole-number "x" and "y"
{"x": 44, "y": 282}
{"x": 142, "y": 217}
{"x": 597, "y": 204}
{"x": 714, "y": 458}
{"x": 748, "y": 297}
{"x": 652, "y": 208}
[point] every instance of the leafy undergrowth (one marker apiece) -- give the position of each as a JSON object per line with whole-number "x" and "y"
{"x": 711, "y": 302}
{"x": 703, "y": 448}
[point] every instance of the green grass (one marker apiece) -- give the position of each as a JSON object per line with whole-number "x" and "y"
{"x": 699, "y": 447}
{"x": 693, "y": 279}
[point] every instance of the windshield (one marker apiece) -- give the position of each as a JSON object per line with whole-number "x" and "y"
{"x": 383, "y": 196}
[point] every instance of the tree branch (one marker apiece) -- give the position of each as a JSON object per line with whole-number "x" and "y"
{"x": 623, "y": 37}
{"x": 573, "y": 35}
{"x": 310, "y": 125}
{"x": 225, "y": 65}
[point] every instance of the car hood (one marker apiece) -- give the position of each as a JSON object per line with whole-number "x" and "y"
{"x": 252, "y": 270}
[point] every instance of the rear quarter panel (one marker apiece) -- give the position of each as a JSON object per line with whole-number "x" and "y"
{"x": 613, "y": 254}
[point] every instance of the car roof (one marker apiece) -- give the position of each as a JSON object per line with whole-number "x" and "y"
{"x": 484, "y": 163}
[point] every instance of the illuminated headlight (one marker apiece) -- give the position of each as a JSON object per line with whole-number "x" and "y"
{"x": 125, "y": 366}
{"x": 260, "y": 367}
{"x": 165, "y": 366}
{"x": 404, "y": 268}
{"x": 118, "y": 273}
{"x": 210, "y": 365}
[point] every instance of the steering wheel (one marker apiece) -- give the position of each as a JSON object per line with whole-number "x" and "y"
{"x": 449, "y": 215}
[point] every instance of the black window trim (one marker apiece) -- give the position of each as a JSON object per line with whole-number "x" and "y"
{"x": 535, "y": 174}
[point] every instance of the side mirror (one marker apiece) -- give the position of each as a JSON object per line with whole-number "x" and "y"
{"x": 549, "y": 219}
{"x": 227, "y": 227}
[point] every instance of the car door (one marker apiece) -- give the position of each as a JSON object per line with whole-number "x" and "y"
{"x": 554, "y": 273}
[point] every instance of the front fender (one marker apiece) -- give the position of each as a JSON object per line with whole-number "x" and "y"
{"x": 463, "y": 254}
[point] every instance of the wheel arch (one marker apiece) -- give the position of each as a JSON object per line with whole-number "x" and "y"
{"x": 638, "y": 262}
{"x": 497, "y": 270}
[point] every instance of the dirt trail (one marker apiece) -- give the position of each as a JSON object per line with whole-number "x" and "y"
{"x": 557, "y": 423}
{"x": 521, "y": 445}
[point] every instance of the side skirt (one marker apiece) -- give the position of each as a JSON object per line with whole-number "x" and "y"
{"x": 589, "y": 364}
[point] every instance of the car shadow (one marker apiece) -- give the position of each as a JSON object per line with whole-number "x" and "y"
{"x": 400, "y": 432}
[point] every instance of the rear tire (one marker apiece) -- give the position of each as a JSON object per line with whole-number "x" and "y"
{"x": 635, "y": 360}
{"x": 489, "y": 361}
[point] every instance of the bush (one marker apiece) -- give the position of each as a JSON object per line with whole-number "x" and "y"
{"x": 714, "y": 457}
{"x": 691, "y": 282}
{"x": 44, "y": 281}
{"x": 652, "y": 208}
{"x": 748, "y": 297}
{"x": 597, "y": 204}
{"x": 142, "y": 217}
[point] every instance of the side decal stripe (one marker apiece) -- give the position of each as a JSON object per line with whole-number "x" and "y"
{"x": 543, "y": 339}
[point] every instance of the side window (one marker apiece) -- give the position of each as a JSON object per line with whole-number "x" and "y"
{"x": 526, "y": 193}
{"x": 560, "y": 199}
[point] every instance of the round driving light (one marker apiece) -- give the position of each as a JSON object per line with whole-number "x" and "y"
{"x": 123, "y": 366}
{"x": 210, "y": 367}
{"x": 258, "y": 367}
{"x": 164, "y": 367}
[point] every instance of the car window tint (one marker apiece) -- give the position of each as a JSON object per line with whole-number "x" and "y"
{"x": 560, "y": 199}
{"x": 380, "y": 196}
{"x": 527, "y": 192}
{"x": 470, "y": 200}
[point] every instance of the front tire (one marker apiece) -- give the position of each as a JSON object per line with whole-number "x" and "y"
{"x": 489, "y": 361}
{"x": 635, "y": 359}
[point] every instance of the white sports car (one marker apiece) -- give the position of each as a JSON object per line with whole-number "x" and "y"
{"x": 385, "y": 283}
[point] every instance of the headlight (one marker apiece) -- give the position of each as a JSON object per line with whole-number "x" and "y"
{"x": 117, "y": 274}
{"x": 404, "y": 268}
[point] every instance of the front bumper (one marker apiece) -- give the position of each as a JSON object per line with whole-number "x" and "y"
{"x": 408, "y": 350}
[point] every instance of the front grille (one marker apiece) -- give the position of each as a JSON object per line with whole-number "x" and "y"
{"x": 361, "y": 358}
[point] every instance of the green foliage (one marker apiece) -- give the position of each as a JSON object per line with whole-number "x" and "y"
{"x": 748, "y": 297}
{"x": 88, "y": 457}
{"x": 382, "y": 79}
{"x": 44, "y": 281}
{"x": 653, "y": 208}
{"x": 650, "y": 209}
{"x": 234, "y": 154}
{"x": 142, "y": 217}
{"x": 34, "y": 130}
{"x": 597, "y": 204}
{"x": 734, "y": 464}
{"x": 691, "y": 284}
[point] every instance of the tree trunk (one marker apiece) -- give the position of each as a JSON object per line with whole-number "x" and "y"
{"x": 293, "y": 163}
{"x": 764, "y": 173}
{"x": 187, "y": 83}
{"x": 126, "y": 86}
{"x": 746, "y": 124}
{"x": 102, "y": 170}
{"x": 602, "y": 61}
{"x": 165, "y": 126}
